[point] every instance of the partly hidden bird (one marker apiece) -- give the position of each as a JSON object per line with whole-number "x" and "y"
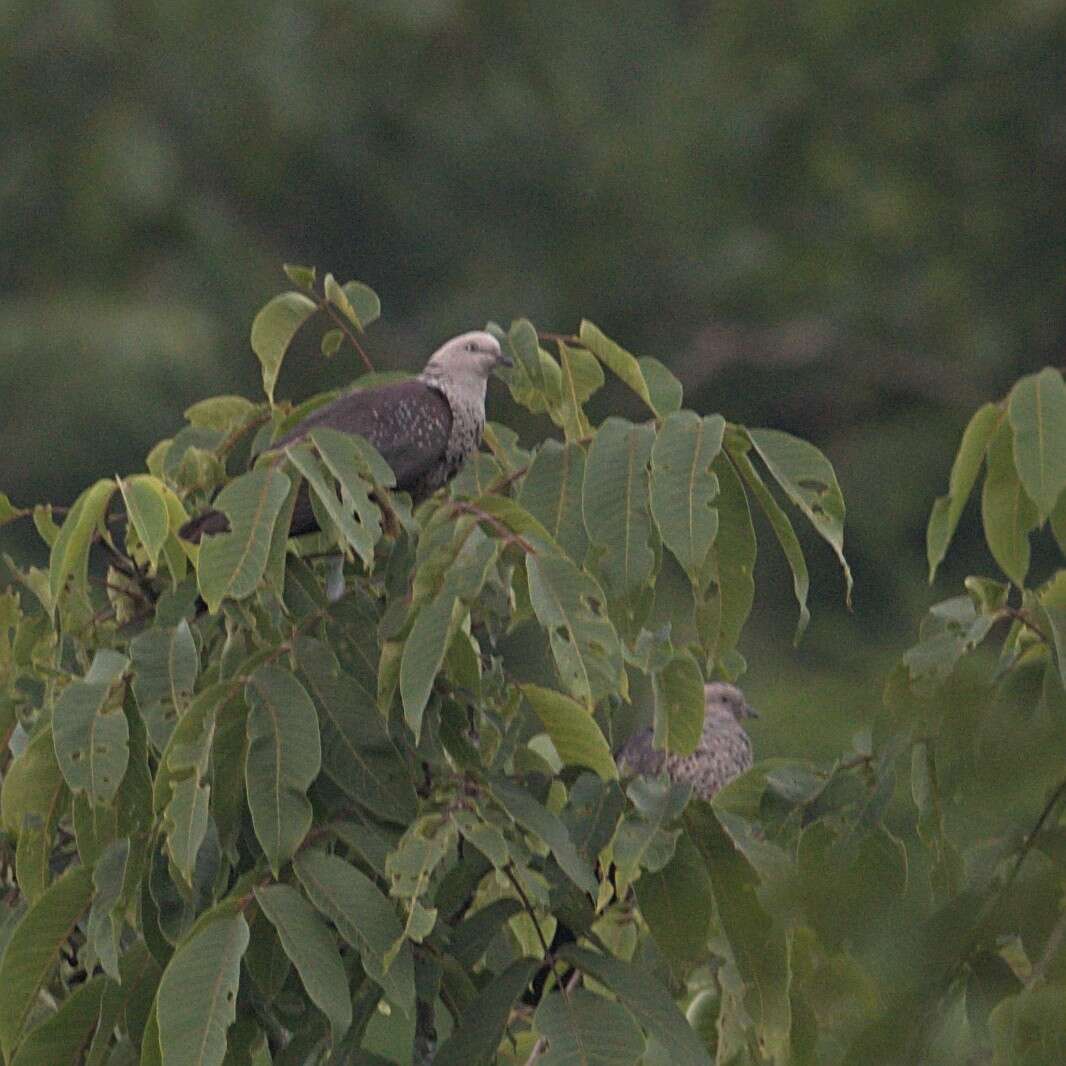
{"x": 425, "y": 428}
{"x": 722, "y": 754}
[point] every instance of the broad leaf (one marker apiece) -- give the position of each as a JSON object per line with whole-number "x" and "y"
{"x": 1006, "y": 510}
{"x": 947, "y": 510}
{"x": 70, "y": 552}
{"x": 233, "y": 563}
{"x": 197, "y": 998}
{"x": 423, "y": 654}
{"x": 91, "y": 738}
{"x": 33, "y": 950}
{"x": 146, "y": 504}
{"x": 223, "y": 413}
{"x": 284, "y": 757}
{"x": 272, "y": 332}
{"x": 551, "y": 492}
{"x": 1037, "y": 411}
{"x": 679, "y": 705}
{"x": 618, "y": 361}
{"x": 570, "y": 606}
{"x": 310, "y": 944}
{"x": 684, "y": 486}
{"x": 574, "y": 732}
{"x": 61, "y": 1038}
{"x": 583, "y": 1029}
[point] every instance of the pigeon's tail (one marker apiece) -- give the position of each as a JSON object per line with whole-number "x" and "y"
{"x": 204, "y": 525}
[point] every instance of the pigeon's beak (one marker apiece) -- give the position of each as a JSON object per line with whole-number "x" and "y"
{"x": 750, "y": 712}
{"x": 504, "y": 359}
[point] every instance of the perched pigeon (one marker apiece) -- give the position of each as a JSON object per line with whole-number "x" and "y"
{"x": 424, "y": 428}
{"x": 723, "y": 752}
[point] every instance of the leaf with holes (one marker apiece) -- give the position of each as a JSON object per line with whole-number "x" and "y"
{"x": 570, "y": 606}
{"x": 197, "y": 998}
{"x": 91, "y": 737}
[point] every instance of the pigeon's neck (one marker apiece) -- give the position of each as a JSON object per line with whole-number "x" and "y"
{"x": 466, "y": 398}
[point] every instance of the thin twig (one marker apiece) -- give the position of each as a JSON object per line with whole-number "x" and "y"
{"x": 509, "y": 536}
{"x": 1021, "y": 615}
{"x": 342, "y": 325}
{"x": 513, "y": 878}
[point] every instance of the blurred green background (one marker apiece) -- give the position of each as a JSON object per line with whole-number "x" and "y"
{"x": 844, "y": 220}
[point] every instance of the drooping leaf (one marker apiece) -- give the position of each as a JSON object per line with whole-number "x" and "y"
{"x": 581, "y": 377}
{"x": 1037, "y": 409}
{"x": 233, "y": 563}
{"x": 32, "y": 784}
{"x": 947, "y": 510}
{"x": 60, "y": 1039}
{"x": 33, "y": 950}
{"x": 684, "y": 486}
{"x": 678, "y": 904}
{"x": 574, "y": 732}
{"x": 1006, "y": 510}
{"x": 583, "y": 1029}
{"x": 197, "y": 998}
{"x": 357, "y": 752}
{"x": 70, "y": 552}
{"x": 679, "y": 705}
{"x": 423, "y": 654}
{"x": 808, "y": 479}
{"x": 786, "y": 535}
{"x": 146, "y": 504}
{"x": 273, "y": 329}
{"x": 309, "y": 943}
{"x": 91, "y": 739}
{"x": 166, "y": 664}
{"x": 618, "y": 361}
{"x": 481, "y": 1025}
{"x": 646, "y": 999}
{"x": 364, "y": 917}
{"x": 284, "y": 757}
{"x": 570, "y": 606}
{"x": 616, "y": 506}
{"x": 552, "y": 491}
{"x": 665, "y": 390}
{"x": 729, "y": 572}
{"x": 538, "y": 820}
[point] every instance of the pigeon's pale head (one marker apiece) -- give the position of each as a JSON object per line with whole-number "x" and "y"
{"x": 719, "y": 695}
{"x": 474, "y": 355}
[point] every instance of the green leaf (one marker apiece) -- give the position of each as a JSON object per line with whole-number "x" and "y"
{"x": 786, "y": 536}
{"x": 70, "y": 553}
{"x": 61, "y": 1038}
{"x": 678, "y": 904}
{"x": 197, "y": 998}
{"x": 481, "y": 1025}
{"x": 363, "y": 301}
{"x": 33, "y": 950}
{"x": 583, "y": 1029}
{"x": 551, "y": 492}
{"x": 684, "y": 486}
{"x": 616, "y": 506}
{"x": 665, "y": 390}
{"x": 729, "y": 572}
{"x": 679, "y": 705}
{"x": 222, "y": 413}
{"x": 8, "y": 511}
{"x": 1028, "y": 1029}
{"x": 1037, "y": 409}
{"x": 570, "y": 606}
{"x": 581, "y": 377}
{"x": 331, "y": 341}
{"x": 272, "y": 332}
{"x": 646, "y": 999}
{"x": 948, "y": 509}
{"x": 356, "y": 464}
{"x": 759, "y": 944}
{"x": 284, "y": 757}
{"x": 233, "y": 563}
{"x": 310, "y": 945}
{"x": 808, "y": 479}
{"x": 423, "y": 654}
{"x": 1006, "y": 510}
{"x": 538, "y": 820}
{"x": 364, "y": 917}
{"x": 574, "y": 732}
{"x": 91, "y": 740}
{"x": 357, "y": 753}
{"x": 166, "y": 664}
{"x": 33, "y": 784}
{"x": 618, "y": 361}
{"x": 300, "y": 275}
{"x": 146, "y": 504}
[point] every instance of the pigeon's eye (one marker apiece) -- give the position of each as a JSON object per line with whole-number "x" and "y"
{"x": 471, "y": 346}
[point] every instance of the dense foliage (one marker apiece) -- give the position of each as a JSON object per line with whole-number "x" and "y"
{"x": 351, "y": 797}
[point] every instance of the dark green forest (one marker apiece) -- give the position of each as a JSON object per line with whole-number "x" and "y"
{"x": 840, "y": 221}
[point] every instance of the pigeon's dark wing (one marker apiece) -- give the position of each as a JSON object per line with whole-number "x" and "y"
{"x": 638, "y": 756}
{"x": 408, "y": 422}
